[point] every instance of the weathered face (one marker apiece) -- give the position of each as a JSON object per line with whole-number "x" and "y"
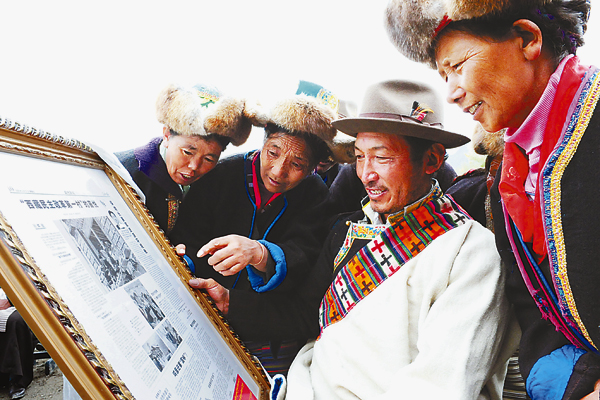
{"x": 284, "y": 162}
{"x": 391, "y": 179}
{"x": 492, "y": 81}
{"x": 188, "y": 158}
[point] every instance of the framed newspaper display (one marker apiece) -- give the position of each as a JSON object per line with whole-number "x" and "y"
{"x": 100, "y": 286}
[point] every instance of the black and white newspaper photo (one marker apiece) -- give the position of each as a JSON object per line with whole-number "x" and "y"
{"x": 117, "y": 284}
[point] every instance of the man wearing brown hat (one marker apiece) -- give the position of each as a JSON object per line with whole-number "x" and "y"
{"x": 413, "y": 303}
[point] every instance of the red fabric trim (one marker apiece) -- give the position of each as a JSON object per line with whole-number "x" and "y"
{"x": 443, "y": 23}
{"x": 494, "y": 165}
{"x": 526, "y": 213}
{"x": 512, "y": 189}
{"x": 257, "y": 197}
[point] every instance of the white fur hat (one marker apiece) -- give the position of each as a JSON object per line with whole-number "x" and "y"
{"x": 306, "y": 114}
{"x": 200, "y": 111}
{"x": 316, "y": 108}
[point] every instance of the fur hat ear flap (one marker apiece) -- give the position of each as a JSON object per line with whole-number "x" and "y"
{"x": 233, "y": 118}
{"x": 488, "y": 143}
{"x": 342, "y": 148}
{"x": 257, "y": 115}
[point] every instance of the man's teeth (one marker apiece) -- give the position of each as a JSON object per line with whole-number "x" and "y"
{"x": 474, "y": 108}
{"x": 376, "y": 191}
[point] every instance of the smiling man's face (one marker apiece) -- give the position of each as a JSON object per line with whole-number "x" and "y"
{"x": 390, "y": 177}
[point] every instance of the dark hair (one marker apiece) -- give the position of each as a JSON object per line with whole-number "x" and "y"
{"x": 418, "y": 147}
{"x": 319, "y": 151}
{"x": 222, "y": 141}
{"x": 562, "y": 22}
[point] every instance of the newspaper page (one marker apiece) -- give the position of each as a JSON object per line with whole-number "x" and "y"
{"x": 117, "y": 284}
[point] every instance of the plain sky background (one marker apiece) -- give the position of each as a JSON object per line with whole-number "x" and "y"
{"x": 92, "y": 71}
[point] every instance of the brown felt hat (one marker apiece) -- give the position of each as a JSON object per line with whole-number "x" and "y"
{"x": 402, "y": 108}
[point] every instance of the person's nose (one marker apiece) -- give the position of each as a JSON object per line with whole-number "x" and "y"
{"x": 455, "y": 92}
{"x": 279, "y": 169}
{"x": 195, "y": 163}
{"x": 368, "y": 173}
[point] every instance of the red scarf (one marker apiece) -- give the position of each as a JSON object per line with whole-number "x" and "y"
{"x": 255, "y": 175}
{"x": 525, "y": 213}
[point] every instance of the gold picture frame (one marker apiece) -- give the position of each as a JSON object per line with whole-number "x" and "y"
{"x": 93, "y": 288}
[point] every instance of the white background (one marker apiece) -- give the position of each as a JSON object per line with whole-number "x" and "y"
{"x": 92, "y": 71}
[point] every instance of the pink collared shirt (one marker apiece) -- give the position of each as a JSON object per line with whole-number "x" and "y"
{"x": 530, "y": 135}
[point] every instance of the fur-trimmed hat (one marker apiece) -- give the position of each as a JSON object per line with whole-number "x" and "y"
{"x": 343, "y": 145}
{"x": 200, "y": 111}
{"x": 413, "y": 24}
{"x": 327, "y": 108}
{"x": 488, "y": 143}
{"x": 302, "y": 113}
{"x": 233, "y": 118}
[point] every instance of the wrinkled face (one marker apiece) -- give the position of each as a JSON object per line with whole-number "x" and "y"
{"x": 188, "y": 158}
{"x": 284, "y": 162}
{"x": 384, "y": 166}
{"x": 492, "y": 81}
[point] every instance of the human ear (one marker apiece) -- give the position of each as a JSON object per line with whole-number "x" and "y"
{"x": 531, "y": 35}
{"x": 166, "y": 135}
{"x": 434, "y": 158}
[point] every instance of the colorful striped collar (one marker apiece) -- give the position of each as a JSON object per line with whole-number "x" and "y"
{"x": 375, "y": 218}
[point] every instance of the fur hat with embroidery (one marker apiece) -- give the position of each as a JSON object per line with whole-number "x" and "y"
{"x": 414, "y": 24}
{"x": 302, "y": 113}
{"x": 201, "y": 111}
{"x": 312, "y": 110}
